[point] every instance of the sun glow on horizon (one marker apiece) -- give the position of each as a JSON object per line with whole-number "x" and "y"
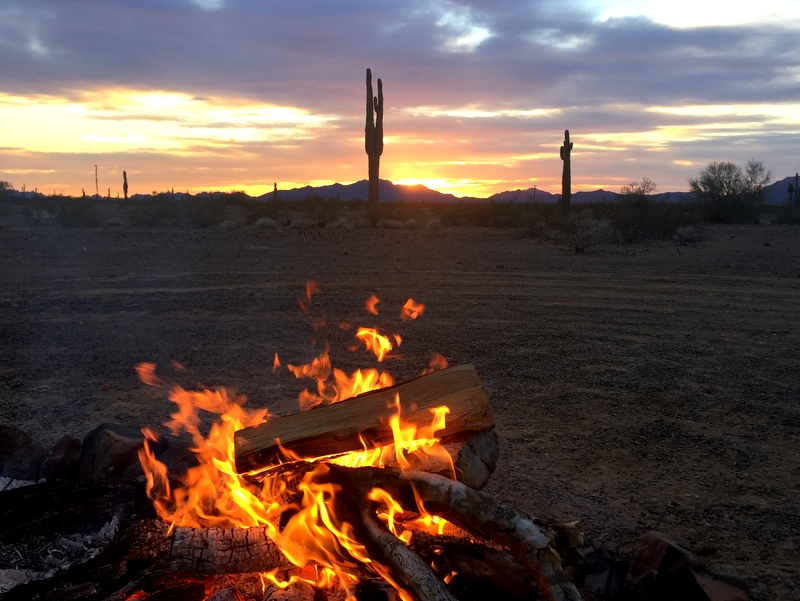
{"x": 167, "y": 139}
{"x": 121, "y": 120}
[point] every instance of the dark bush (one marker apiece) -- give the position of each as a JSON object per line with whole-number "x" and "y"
{"x": 77, "y": 212}
{"x": 202, "y": 212}
{"x": 635, "y": 220}
{"x": 154, "y": 213}
{"x": 786, "y": 215}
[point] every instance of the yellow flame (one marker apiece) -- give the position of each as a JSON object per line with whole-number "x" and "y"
{"x": 214, "y": 494}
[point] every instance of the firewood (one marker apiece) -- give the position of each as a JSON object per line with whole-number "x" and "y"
{"x": 390, "y": 557}
{"x": 341, "y": 427}
{"x": 297, "y": 591}
{"x": 474, "y": 459}
{"x": 224, "y": 551}
{"x": 477, "y": 571}
{"x": 473, "y": 511}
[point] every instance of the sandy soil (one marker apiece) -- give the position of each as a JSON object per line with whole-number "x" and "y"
{"x": 634, "y": 387}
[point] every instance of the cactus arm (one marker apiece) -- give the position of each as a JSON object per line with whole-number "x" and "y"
{"x": 379, "y": 120}
{"x": 369, "y": 132}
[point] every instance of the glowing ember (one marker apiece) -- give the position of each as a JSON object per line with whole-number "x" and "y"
{"x": 411, "y": 310}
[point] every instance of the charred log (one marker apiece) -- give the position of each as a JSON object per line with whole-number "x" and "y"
{"x": 224, "y": 551}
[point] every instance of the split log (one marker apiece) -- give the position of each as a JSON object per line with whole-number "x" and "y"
{"x": 390, "y": 557}
{"x": 341, "y": 427}
{"x": 474, "y": 460}
{"x": 473, "y": 511}
{"x": 224, "y": 551}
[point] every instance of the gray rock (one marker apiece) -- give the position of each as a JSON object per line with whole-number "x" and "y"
{"x": 62, "y": 462}
{"x": 663, "y": 570}
{"x": 108, "y": 451}
{"x": 20, "y": 455}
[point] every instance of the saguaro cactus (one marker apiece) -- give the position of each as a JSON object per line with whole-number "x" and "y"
{"x": 373, "y": 136}
{"x": 125, "y": 184}
{"x": 566, "y": 173}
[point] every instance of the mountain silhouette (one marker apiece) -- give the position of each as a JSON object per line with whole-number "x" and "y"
{"x": 775, "y": 193}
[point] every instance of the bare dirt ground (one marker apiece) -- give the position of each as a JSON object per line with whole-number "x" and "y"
{"x": 634, "y": 387}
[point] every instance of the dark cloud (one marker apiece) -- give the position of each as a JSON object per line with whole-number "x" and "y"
{"x": 536, "y": 54}
{"x": 307, "y": 53}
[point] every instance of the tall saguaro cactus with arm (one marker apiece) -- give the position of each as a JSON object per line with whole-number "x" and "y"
{"x": 373, "y": 137}
{"x": 566, "y": 173}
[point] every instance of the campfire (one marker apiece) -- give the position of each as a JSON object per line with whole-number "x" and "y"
{"x": 371, "y": 484}
{"x": 372, "y": 491}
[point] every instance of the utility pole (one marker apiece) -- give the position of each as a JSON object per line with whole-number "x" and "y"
{"x": 96, "y": 187}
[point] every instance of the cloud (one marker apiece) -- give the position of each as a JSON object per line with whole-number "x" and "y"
{"x": 492, "y": 82}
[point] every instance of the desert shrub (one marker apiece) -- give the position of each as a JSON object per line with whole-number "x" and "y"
{"x": 255, "y": 210}
{"x": 583, "y": 231}
{"x": 729, "y": 193}
{"x": 266, "y": 223}
{"x": 786, "y": 215}
{"x": 689, "y": 234}
{"x": 154, "y": 213}
{"x": 321, "y": 211}
{"x": 202, "y": 212}
{"x": 77, "y": 212}
{"x": 636, "y": 219}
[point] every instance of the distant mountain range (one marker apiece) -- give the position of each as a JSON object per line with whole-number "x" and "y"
{"x": 776, "y": 193}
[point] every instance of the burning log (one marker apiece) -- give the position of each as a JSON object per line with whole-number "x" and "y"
{"x": 473, "y": 511}
{"x": 349, "y": 521}
{"x": 341, "y": 427}
{"x": 473, "y": 570}
{"x": 224, "y": 551}
{"x": 405, "y": 567}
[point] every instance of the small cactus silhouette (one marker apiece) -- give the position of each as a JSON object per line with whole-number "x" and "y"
{"x": 566, "y": 173}
{"x": 125, "y": 184}
{"x": 373, "y": 136}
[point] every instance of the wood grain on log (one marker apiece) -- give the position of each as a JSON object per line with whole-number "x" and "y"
{"x": 341, "y": 427}
{"x": 224, "y": 551}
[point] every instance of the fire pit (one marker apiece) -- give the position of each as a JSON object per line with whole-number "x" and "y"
{"x": 373, "y": 491}
{"x": 344, "y": 487}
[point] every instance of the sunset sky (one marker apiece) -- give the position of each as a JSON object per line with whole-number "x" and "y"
{"x": 237, "y": 94}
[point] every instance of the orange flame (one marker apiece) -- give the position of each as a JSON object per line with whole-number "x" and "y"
{"x": 311, "y": 289}
{"x": 377, "y": 343}
{"x": 436, "y": 363}
{"x": 342, "y": 387}
{"x": 411, "y": 310}
{"x": 372, "y": 305}
{"x": 214, "y": 494}
{"x": 147, "y": 374}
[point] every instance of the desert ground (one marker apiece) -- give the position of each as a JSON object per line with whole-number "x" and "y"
{"x": 636, "y": 387}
